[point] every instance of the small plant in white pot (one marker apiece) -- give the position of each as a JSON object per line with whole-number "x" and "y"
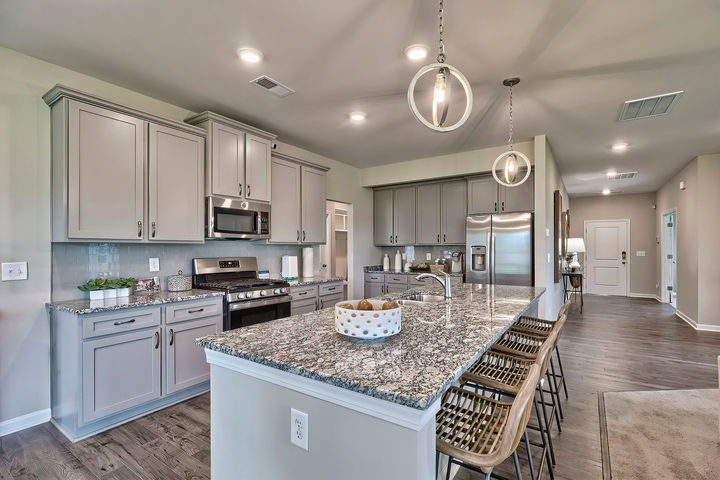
{"x": 124, "y": 286}
{"x": 95, "y": 288}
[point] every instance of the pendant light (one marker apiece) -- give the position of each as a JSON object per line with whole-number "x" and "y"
{"x": 508, "y": 166}
{"x": 441, "y": 91}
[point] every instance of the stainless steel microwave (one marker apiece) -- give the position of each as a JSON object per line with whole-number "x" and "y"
{"x": 228, "y": 218}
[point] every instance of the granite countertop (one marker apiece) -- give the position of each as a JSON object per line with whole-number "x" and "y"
{"x": 378, "y": 269}
{"x": 300, "y": 281}
{"x": 438, "y": 342}
{"x": 82, "y": 307}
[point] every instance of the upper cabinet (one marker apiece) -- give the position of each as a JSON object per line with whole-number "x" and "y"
{"x": 394, "y": 216}
{"x": 298, "y": 196}
{"x": 238, "y": 158}
{"x": 485, "y": 196}
{"x": 454, "y": 212}
{"x": 441, "y": 211}
{"x": 123, "y": 175}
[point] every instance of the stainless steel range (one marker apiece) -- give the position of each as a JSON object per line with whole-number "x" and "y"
{"x": 248, "y": 299}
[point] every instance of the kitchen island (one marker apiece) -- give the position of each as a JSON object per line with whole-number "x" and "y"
{"x": 371, "y": 405}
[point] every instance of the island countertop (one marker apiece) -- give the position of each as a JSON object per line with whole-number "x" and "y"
{"x": 438, "y": 342}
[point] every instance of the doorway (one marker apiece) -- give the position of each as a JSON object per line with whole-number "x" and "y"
{"x": 607, "y": 259}
{"x": 669, "y": 257}
{"x": 336, "y": 254}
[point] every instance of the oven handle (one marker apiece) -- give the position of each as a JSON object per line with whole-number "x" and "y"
{"x": 258, "y": 303}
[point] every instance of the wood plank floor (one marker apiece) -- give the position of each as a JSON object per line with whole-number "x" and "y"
{"x": 618, "y": 344}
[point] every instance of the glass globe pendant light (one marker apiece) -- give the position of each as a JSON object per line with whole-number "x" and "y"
{"x": 509, "y": 163}
{"x": 441, "y": 91}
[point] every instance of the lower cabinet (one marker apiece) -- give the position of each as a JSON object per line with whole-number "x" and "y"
{"x": 379, "y": 284}
{"x": 309, "y": 298}
{"x": 373, "y": 289}
{"x": 185, "y": 363}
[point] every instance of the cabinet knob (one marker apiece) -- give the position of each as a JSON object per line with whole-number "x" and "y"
{"x": 438, "y": 238}
{"x": 390, "y": 238}
{"x": 444, "y": 238}
{"x": 395, "y": 238}
{"x": 496, "y": 207}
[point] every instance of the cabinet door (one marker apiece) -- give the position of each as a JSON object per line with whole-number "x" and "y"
{"x": 185, "y": 363}
{"x": 383, "y": 217}
{"x": 119, "y": 372}
{"x": 298, "y": 307}
{"x": 482, "y": 195}
{"x": 228, "y": 164}
{"x": 106, "y": 163}
{"x": 312, "y": 189}
{"x": 175, "y": 181}
{"x": 404, "y": 216}
{"x": 329, "y": 301}
{"x": 257, "y": 168}
{"x": 285, "y": 194}
{"x": 395, "y": 287}
{"x": 428, "y": 214}
{"x": 373, "y": 289}
{"x": 454, "y": 212}
{"x": 518, "y": 199}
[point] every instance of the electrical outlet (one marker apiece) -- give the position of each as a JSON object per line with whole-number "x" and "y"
{"x": 640, "y": 253}
{"x": 549, "y": 258}
{"x": 428, "y": 256}
{"x": 547, "y": 232}
{"x": 14, "y": 271}
{"x": 154, "y": 264}
{"x": 299, "y": 428}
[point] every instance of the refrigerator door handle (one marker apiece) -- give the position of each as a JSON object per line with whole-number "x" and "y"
{"x": 491, "y": 239}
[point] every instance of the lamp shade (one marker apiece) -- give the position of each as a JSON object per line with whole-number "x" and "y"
{"x": 576, "y": 245}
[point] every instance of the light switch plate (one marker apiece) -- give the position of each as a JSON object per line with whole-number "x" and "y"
{"x": 428, "y": 256}
{"x": 154, "y": 264}
{"x": 547, "y": 232}
{"x": 549, "y": 258}
{"x": 640, "y": 253}
{"x": 299, "y": 428}
{"x": 14, "y": 271}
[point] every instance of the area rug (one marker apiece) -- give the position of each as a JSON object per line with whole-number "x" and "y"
{"x": 660, "y": 434}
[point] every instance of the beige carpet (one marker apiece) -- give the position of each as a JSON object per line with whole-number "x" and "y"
{"x": 670, "y": 434}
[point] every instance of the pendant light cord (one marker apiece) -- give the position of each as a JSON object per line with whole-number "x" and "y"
{"x": 441, "y": 45}
{"x": 510, "y": 140}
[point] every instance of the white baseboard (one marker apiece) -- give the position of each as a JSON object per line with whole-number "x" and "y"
{"x": 645, "y": 295}
{"x": 686, "y": 319}
{"x": 24, "y": 421}
{"x": 702, "y": 327}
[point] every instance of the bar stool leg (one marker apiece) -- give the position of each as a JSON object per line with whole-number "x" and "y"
{"x": 437, "y": 462}
{"x": 555, "y": 392}
{"x": 547, "y": 423}
{"x": 447, "y": 474}
{"x": 546, "y": 451}
{"x": 562, "y": 372}
{"x": 517, "y": 465}
{"x": 529, "y": 455}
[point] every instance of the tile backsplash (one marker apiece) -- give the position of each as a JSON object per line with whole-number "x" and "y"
{"x": 75, "y": 263}
{"x": 436, "y": 251}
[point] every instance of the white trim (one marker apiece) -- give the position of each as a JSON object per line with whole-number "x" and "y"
{"x": 701, "y": 327}
{"x": 408, "y": 417}
{"x": 24, "y": 421}
{"x": 629, "y": 251}
{"x": 686, "y": 319}
{"x": 645, "y": 295}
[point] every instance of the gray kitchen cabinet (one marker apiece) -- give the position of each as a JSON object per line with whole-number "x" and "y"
{"x": 313, "y": 190}
{"x": 257, "y": 168}
{"x": 237, "y": 158}
{"x": 517, "y": 199}
{"x": 395, "y": 287}
{"x": 303, "y": 306}
{"x": 373, "y": 289}
{"x": 329, "y": 301}
{"x": 175, "y": 185}
{"x": 308, "y": 298}
{"x": 119, "y": 372}
{"x": 404, "y": 216}
{"x": 185, "y": 363}
{"x": 105, "y": 171}
{"x": 383, "y": 217}
{"x": 454, "y": 212}
{"x": 298, "y": 196}
{"x": 428, "y": 214}
{"x": 482, "y": 194}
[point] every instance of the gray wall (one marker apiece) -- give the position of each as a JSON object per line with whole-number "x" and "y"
{"x": 638, "y": 208}
{"x": 709, "y": 245}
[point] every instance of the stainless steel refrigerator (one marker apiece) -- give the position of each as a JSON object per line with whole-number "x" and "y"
{"x": 499, "y": 249}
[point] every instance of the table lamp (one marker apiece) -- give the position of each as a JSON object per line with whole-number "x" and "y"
{"x": 575, "y": 245}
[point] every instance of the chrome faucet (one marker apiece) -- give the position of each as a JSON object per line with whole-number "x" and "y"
{"x": 444, "y": 282}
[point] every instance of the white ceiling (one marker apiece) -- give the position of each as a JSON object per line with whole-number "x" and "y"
{"x": 578, "y": 60}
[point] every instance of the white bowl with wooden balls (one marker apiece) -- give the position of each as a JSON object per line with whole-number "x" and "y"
{"x": 368, "y": 319}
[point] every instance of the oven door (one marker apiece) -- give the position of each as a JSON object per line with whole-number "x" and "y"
{"x": 227, "y": 218}
{"x": 243, "y": 314}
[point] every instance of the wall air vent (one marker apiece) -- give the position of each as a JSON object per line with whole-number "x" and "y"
{"x": 622, "y": 175}
{"x": 649, "y": 106}
{"x": 273, "y": 86}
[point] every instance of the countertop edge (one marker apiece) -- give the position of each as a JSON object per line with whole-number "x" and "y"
{"x": 85, "y": 307}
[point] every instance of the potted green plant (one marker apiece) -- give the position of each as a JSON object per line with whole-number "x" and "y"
{"x": 124, "y": 286}
{"x": 95, "y": 288}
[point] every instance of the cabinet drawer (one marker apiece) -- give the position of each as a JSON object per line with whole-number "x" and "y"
{"x": 303, "y": 306}
{"x": 331, "y": 288}
{"x": 401, "y": 279}
{"x": 205, "y": 307}
{"x": 329, "y": 301}
{"x": 121, "y": 321}
{"x": 375, "y": 277}
{"x": 422, "y": 282}
{"x": 304, "y": 292}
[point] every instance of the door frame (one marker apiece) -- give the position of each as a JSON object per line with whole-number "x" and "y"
{"x": 663, "y": 254}
{"x": 629, "y": 255}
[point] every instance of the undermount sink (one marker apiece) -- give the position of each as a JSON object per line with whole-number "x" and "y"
{"x": 417, "y": 298}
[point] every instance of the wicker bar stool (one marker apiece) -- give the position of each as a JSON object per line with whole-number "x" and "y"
{"x": 505, "y": 374}
{"x": 480, "y": 433}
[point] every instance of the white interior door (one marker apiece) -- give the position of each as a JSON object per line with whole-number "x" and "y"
{"x": 607, "y": 257}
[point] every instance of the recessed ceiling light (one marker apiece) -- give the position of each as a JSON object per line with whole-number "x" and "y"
{"x": 416, "y": 52}
{"x": 250, "y": 55}
{"x": 357, "y": 116}
{"x": 619, "y": 147}
{"x": 606, "y": 191}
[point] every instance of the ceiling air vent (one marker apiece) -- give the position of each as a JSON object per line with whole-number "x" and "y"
{"x": 622, "y": 176}
{"x": 273, "y": 86}
{"x": 649, "y": 106}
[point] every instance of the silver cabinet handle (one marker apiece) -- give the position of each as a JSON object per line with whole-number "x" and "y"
{"x": 322, "y": 304}
{"x": 240, "y": 186}
{"x": 331, "y": 288}
{"x": 197, "y": 310}
{"x": 303, "y": 235}
{"x": 157, "y": 340}
{"x": 390, "y": 238}
{"x": 247, "y": 191}
{"x": 298, "y": 235}
{"x": 444, "y": 238}
{"x": 395, "y": 238}
{"x": 139, "y": 228}
{"x": 438, "y": 238}
{"x": 172, "y": 336}
{"x": 302, "y": 293}
{"x": 496, "y": 207}
{"x": 503, "y": 206}
{"x": 153, "y": 229}
{"x": 132, "y": 320}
